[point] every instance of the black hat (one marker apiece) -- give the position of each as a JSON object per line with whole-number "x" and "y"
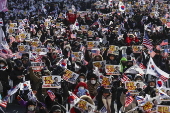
{"x": 55, "y": 108}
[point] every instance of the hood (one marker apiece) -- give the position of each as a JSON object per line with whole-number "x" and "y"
{"x": 87, "y": 98}
{"x": 3, "y": 60}
{"x": 55, "y": 108}
{"x": 81, "y": 84}
{"x": 123, "y": 59}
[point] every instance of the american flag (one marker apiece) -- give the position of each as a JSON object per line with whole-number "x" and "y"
{"x": 73, "y": 57}
{"x": 163, "y": 78}
{"x": 95, "y": 52}
{"x": 147, "y": 42}
{"x": 82, "y": 48}
{"x": 3, "y": 104}
{"x": 164, "y": 42}
{"x": 51, "y": 95}
{"x": 38, "y": 58}
{"x": 158, "y": 47}
{"x": 165, "y": 55}
{"x": 85, "y": 62}
{"x": 142, "y": 66}
{"x": 124, "y": 78}
{"x": 103, "y": 110}
{"x": 128, "y": 100}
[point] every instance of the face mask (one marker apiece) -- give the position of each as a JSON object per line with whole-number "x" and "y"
{"x": 152, "y": 86}
{"x": 93, "y": 81}
{"x": 81, "y": 79}
{"x": 31, "y": 108}
{"x": 2, "y": 65}
{"x": 67, "y": 49}
{"x": 139, "y": 80}
{"x": 81, "y": 88}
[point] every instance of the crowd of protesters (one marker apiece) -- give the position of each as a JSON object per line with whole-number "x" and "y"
{"x": 130, "y": 36}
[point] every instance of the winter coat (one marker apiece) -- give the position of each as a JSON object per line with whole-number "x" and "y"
{"x": 93, "y": 88}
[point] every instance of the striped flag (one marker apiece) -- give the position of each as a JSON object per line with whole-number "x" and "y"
{"x": 103, "y": 110}
{"x": 125, "y": 78}
{"x": 3, "y": 104}
{"x": 142, "y": 66}
{"x": 51, "y": 95}
{"x": 158, "y": 47}
{"x": 146, "y": 42}
{"x": 14, "y": 89}
{"x": 165, "y": 55}
{"x": 164, "y": 42}
{"x": 82, "y": 48}
{"x": 128, "y": 100}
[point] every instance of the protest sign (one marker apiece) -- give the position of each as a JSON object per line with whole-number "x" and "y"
{"x": 51, "y": 81}
{"x": 70, "y": 76}
{"x": 133, "y": 86}
{"x": 112, "y": 69}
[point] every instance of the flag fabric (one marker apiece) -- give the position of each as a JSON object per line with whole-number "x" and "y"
{"x": 165, "y": 55}
{"x": 159, "y": 84}
{"x": 135, "y": 69}
{"x": 51, "y": 95}
{"x": 85, "y": 62}
{"x": 128, "y": 100}
{"x": 3, "y": 5}
{"x": 63, "y": 63}
{"x": 152, "y": 53}
{"x": 95, "y": 52}
{"x": 14, "y": 89}
{"x": 82, "y": 48}
{"x": 96, "y": 23}
{"x": 155, "y": 71}
{"x": 38, "y": 58}
{"x": 3, "y": 103}
{"x": 73, "y": 57}
{"x": 121, "y": 6}
{"x": 164, "y": 42}
{"x": 73, "y": 99}
{"x": 103, "y": 110}
{"x": 142, "y": 66}
{"x": 158, "y": 47}
{"x": 124, "y": 78}
{"x": 146, "y": 42}
{"x": 141, "y": 100}
{"x": 31, "y": 96}
{"x": 110, "y": 3}
{"x": 2, "y": 35}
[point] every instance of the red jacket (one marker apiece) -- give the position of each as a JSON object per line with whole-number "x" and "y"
{"x": 129, "y": 40}
{"x": 71, "y": 17}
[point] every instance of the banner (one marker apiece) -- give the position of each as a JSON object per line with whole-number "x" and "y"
{"x": 105, "y": 81}
{"x": 70, "y": 76}
{"x": 112, "y": 69}
{"x": 23, "y": 48}
{"x": 166, "y": 96}
{"x": 133, "y": 86}
{"x": 37, "y": 66}
{"x": 162, "y": 109}
{"x": 51, "y": 81}
{"x": 137, "y": 49}
{"x": 92, "y": 44}
{"x": 113, "y": 50}
{"x": 100, "y": 65}
{"x": 84, "y": 106}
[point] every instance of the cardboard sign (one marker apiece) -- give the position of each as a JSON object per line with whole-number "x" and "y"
{"x": 133, "y": 86}
{"x": 163, "y": 109}
{"x": 113, "y": 50}
{"x": 70, "y": 76}
{"x": 137, "y": 49}
{"x": 52, "y": 81}
{"x": 112, "y": 69}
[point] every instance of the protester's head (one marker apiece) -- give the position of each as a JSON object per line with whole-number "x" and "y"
{"x": 98, "y": 58}
{"x": 56, "y": 109}
{"x": 81, "y": 86}
{"x": 129, "y": 63}
{"x": 25, "y": 60}
{"x": 168, "y": 92}
{"x": 87, "y": 98}
{"x": 56, "y": 79}
{"x": 82, "y": 77}
{"x": 93, "y": 79}
{"x": 19, "y": 64}
{"x": 138, "y": 78}
{"x": 111, "y": 56}
{"x": 152, "y": 84}
{"x": 138, "y": 85}
{"x": 31, "y": 106}
{"x": 155, "y": 102}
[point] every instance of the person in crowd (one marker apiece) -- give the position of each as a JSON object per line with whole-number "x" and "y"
{"x": 92, "y": 85}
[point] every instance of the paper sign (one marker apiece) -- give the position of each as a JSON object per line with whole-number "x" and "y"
{"x": 52, "y": 81}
